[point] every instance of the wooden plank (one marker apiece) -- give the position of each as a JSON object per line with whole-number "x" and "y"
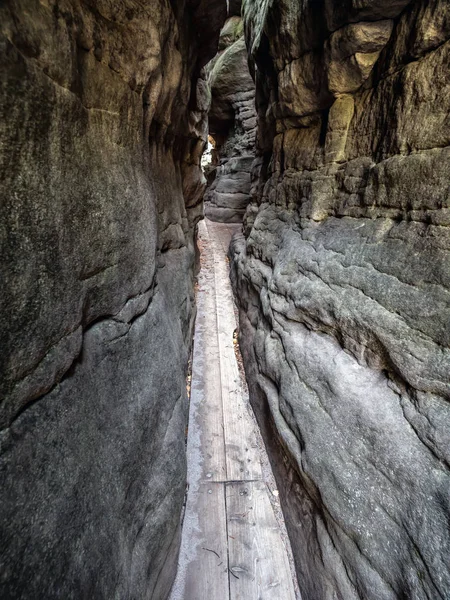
{"x": 257, "y": 556}
{"x": 229, "y": 521}
{"x": 241, "y": 451}
{"x": 203, "y": 564}
{"x": 206, "y": 448}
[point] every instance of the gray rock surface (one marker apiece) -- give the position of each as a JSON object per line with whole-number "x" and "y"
{"x": 104, "y": 119}
{"x": 232, "y": 127}
{"x": 343, "y": 282}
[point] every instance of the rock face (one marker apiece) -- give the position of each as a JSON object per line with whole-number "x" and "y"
{"x": 104, "y": 111}
{"x": 343, "y": 280}
{"x": 232, "y": 124}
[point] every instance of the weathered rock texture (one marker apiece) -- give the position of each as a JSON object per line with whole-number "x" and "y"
{"x": 232, "y": 125}
{"x": 103, "y": 125}
{"x": 343, "y": 280}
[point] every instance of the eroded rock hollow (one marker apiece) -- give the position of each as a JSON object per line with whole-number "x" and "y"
{"x": 343, "y": 282}
{"x": 104, "y": 119}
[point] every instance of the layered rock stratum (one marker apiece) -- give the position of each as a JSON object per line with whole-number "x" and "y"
{"x": 104, "y": 119}
{"x": 343, "y": 282}
{"x": 232, "y": 125}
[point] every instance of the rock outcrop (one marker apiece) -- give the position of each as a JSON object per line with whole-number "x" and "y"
{"x": 343, "y": 281}
{"x": 232, "y": 125}
{"x": 104, "y": 108}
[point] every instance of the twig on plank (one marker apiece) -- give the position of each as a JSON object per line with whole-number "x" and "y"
{"x": 213, "y": 551}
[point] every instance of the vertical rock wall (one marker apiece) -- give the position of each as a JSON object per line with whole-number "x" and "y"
{"x": 232, "y": 124}
{"x": 103, "y": 124}
{"x": 343, "y": 281}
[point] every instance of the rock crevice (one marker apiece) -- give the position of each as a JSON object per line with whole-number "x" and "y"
{"x": 232, "y": 127}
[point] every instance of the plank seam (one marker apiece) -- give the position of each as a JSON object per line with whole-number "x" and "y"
{"x": 220, "y": 346}
{"x": 227, "y": 544}
{"x": 233, "y": 481}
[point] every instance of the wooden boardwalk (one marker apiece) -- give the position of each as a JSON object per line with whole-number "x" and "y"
{"x": 231, "y": 548}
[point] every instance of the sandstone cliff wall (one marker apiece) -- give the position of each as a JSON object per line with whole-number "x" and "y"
{"x": 103, "y": 124}
{"x": 343, "y": 281}
{"x": 232, "y": 124}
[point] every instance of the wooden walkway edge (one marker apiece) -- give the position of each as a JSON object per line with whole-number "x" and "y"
{"x": 231, "y": 546}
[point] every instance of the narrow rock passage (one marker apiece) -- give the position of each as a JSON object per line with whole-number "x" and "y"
{"x": 232, "y": 546}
